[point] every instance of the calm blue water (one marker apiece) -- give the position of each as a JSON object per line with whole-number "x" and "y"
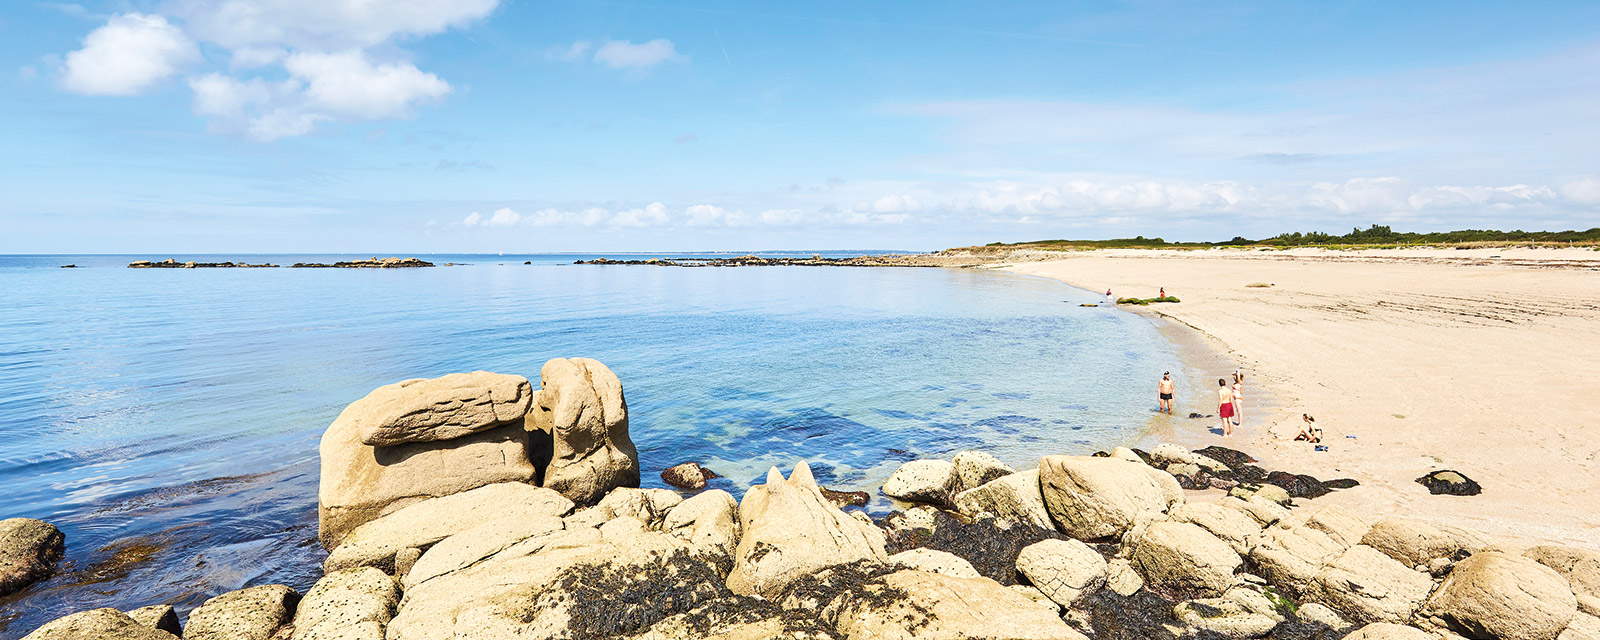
{"x": 168, "y": 420}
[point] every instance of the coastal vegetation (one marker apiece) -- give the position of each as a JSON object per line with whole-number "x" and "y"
{"x": 1374, "y": 237}
{"x": 1146, "y": 301}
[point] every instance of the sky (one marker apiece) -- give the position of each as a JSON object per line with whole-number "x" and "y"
{"x": 215, "y": 126}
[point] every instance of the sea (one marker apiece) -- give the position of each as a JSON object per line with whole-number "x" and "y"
{"x": 167, "y": 420}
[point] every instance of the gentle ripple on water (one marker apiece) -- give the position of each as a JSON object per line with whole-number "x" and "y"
{"x": 167, "y": 420}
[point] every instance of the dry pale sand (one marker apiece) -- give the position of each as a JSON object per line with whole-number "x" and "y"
{"x": 1483, "y": 361}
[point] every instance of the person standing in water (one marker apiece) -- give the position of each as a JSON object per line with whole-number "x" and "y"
{"x": 1238, "y": 396}
{"x": 1225, "y": 406}
{"x": 1164, "y": 392}
{"x": 1109, "y": 299}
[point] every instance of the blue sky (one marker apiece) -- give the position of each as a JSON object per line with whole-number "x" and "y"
{"x": 517, "y": 126}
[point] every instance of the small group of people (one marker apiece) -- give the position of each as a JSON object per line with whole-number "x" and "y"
{"x": 1230, "y": 399}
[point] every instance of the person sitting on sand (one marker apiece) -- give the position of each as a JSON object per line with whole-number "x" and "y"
{"x": 1164, "y": 392}
{"x": 1225, "y": 406}
{"x": 1310, "y": 432}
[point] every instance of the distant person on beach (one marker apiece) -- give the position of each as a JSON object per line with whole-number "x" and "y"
{"x": 1163, "y": 293}
{"x": 1310, "y": 432}
{"x": 1109, "y": 299}
{"x": 1239, "y": 396}
{"x": 1164, "y": 392}
{"x": 1225, "y": 406}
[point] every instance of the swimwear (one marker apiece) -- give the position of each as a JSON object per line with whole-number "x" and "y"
{"x": 1166, "y": 396}
{"x": 1225, "y": 411}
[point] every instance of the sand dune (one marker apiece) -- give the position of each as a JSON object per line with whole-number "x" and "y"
{"x": 1482, "y": 361}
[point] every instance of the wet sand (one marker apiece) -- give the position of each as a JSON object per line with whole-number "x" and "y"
{"x": 1482, "y": 361}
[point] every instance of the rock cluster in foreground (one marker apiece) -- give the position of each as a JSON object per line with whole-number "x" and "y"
{"x": 473, "y": 506}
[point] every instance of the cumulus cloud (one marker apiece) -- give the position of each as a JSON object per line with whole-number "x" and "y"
{"x": 130, "y": 53}
{"x": 622, "y": 54}
{"x": 292, "y": 63}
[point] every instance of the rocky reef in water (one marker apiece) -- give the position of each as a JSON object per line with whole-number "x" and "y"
{"x": 937, "y": 259}
{"x": 478, "y": 505}
{"x": 170, "y": 263}
{"x": 374, "y": 263}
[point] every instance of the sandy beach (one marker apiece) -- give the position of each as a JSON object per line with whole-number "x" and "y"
{"x": 1476, "y": 360}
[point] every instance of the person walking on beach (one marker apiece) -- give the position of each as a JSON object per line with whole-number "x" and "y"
{"x": 1225, "y": 406}
{"x": 1164, "y": 392}
{"x": 1238, "y": 396}
{"x": 1163, "y": 293}
{"x": 1109, "y": 299}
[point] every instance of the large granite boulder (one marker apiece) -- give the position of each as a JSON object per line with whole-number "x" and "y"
{"x": 930, "y": 481}
{"x": 789, "y": 530}
{"x": 1093, "y": 498}
{"x": 1183, "y": 558}
{"x": 581, "y": 418}
{"x": 1418, "y": 542}
{"x": 97, "y": 624}
{"x": 1014, "y": 497}
{"x": 1499, "y": 596}
{"x": 1064, "y": 570}
{"x": 912, "y": 604}
{"x": 1365, "y": 586}
{"x": 29, "y": 551}
{"x": 1389, "y": 631}
{"x": 708, "y": 521}
{"x": 1231, "y": 525}
{"x": 976, "y": 468}
{"x": 1581, "y": 567}
{"x": 247, "y": 614}
{"x": 355, "y": 604}
{"x": 429, "y": 521}
{"x": 361, "y": 480}
{"x": 443, "y": 408}
{"x": 1290, "y": 557}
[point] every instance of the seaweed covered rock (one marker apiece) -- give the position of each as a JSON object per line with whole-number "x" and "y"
{"x": 788, "y": 530}
{"x": 689, "y": 475}
{"x": 976, "y": 468}
{"x": 1141, "y": 615}
{"x": 580, "y": 414}
{"x": 1449, "y": 482}
{"x": 1230, "y": 457}
{"x": 1364, "y": 585}
{"x": 739, "y": 618}
{"x": 1222, "y": 618}
{"x": 355, "y": 603}
{"x": 1504, "y": 597}
{"x": 1064, "y": 570}
{"x": 1182, "y": 558}
{"x": 424, "y": 523}
{"x": 1093, "y": 498}
{"x": 255, "y": 613}
{"x": 929, "y": 481}
{"x": 1419, "y": 542}
{"x": 1297, "y": 485}
{"x": 911, "y": 604}
{"x": 97, "y": 624}
{"x": 29, "y": 551}
{"x": 989, "y": 544}
{"x": 1015, "y": 497}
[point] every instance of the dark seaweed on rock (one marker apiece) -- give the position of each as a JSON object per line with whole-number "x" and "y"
{"x": 990, "y": 545}
{"x": 1448, "y": 482}
{"x": 1141, "y": 616}
{"x": 608, "y": 601}
{"x": 1230, "y": 457}
{"x": 1298, "y": 485}
{"x": 1294, "y": 627}
{"x": 1341, "y": 483}
{"x": 857, "y": 584}
{"x": 741, "y": 610}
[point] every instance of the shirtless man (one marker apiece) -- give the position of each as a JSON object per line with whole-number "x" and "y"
{"x": 1164, "y": 392}
{"x": 1225, "y": 406}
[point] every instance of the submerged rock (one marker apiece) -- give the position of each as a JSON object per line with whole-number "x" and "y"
{"x": 1448, "y": 482}
{"x": 582, "y": 415}
{"x": 97, "y": 624}
{"x": 788, "y": 530}
{"x": 29, "y": 551}
{"x": 689, "y": 475}
{"x": 844, "y": 499}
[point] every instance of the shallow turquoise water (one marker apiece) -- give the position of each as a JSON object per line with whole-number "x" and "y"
{"x": 182, "y": 408}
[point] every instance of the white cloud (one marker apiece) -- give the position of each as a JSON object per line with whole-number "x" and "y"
{"x": 1585, "y": 191}
{"x": 127, "y": 55}
{"x": 504, "y": 217}
{"x": 575, "y": 52}
{"x": 348, "y": 84}
{"x": 622, "y": 54}
{"x": 472, "y": 219}
{"x": 652, "y": 215}
{"x": 322, "y": 25}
